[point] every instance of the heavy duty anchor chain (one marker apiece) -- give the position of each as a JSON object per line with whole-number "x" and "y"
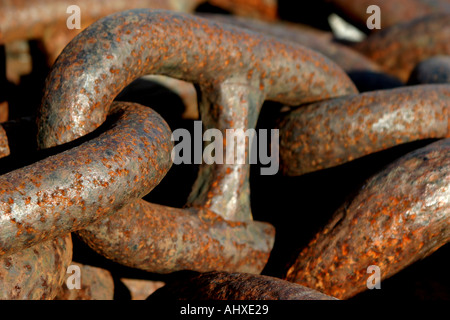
{"x": 46, "y": 19}
{"x": 70, "y": 190}
{"x": 364, "y": 72}
{"x": 51, "y": 197}
{"x": 399, "y": 216}
{"x": 331, "y": 132}
{"x": 235, "y": 70}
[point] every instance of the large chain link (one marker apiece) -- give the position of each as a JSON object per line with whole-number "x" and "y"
{"x": 114, "y": 153}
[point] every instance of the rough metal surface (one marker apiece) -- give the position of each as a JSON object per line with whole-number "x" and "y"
{"x": 432, "y": 70}
{"x": 95, "y": 284}
{"x": 235, "y": 286}
{"x": 392, "y": 12}
{"x": 74, "y": 188}
{"x": 115, "y": 50}
{"x": 349, "y": 60}
{"x": 365, "y": 73}
{"x": 399, "y": 48}
{"x": 235, "y": 69}
{"x": 4, "y": 146}
{"x": 28, "y": 19}
{"x": 160, "y": 239}
{"x": 399, "y": 216}
{"x": 46, "y": 19}
{"x": 328, "y": 133}
{"x": 37, "y": 272}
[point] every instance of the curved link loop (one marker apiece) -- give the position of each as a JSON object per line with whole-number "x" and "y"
{"x": 236, "y": 70}
{"x": 94, "y": 188}
{"x": 72, "y": 189}
{"x": 399, "y": 216}
{"x": 329, "y": 133}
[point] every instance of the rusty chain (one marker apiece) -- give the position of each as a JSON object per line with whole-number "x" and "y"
{"x": 115, "y": 153}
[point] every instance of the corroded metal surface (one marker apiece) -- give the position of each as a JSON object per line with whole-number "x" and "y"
{"x": 399, "y": 48}
{"x": 236, "y": 71}
{"x": 74, "y": 188}
{"x": 37, "y": 272}
{"x": 399, "y": 216}
{"x": 98, "y": 62}
{"x": 94, "y": 188}
{"x": 46, "y": 19}
{"x": 4, "y": 146}
{"x": 235, "y": 286}
{"x": 112, "y": 52}
{"x": 320, "y": 41}
{"x": 365, "y": 73}
{"x": 31, "y": 19}
{"x": 95, "y": 284}
{"x": 392, "y": 12}
{"x": 28, "y": 19}
{"x": 432, "y": 70}
{"x": 328, "y": 133}
{"x": 160, "y": 239}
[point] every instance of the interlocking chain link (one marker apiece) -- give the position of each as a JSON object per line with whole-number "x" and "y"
{"x": 117, "y": 152}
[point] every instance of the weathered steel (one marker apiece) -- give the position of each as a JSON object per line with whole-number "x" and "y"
{"x": 95, "y": 284}
{"x": 236, "y": 71}
{"x": 399, "y": 216}
{"x": 72, "y": 189}
{"x": 4, "y": 145}
{"x": 46, "y": 19}
{"x": 365, "y": 73}
{"x": 432, "y": 70}
{"x": 35, "y": 273}
{"x": 115, "y": 50}
{"x": 29, "y": 19}
{"x": 160, "y": 239}
{"x": 399, "y": 48}
{"x": 235, "y": 286}
{"x": 320, "y": 41}
{"x": 331, "y": 132}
